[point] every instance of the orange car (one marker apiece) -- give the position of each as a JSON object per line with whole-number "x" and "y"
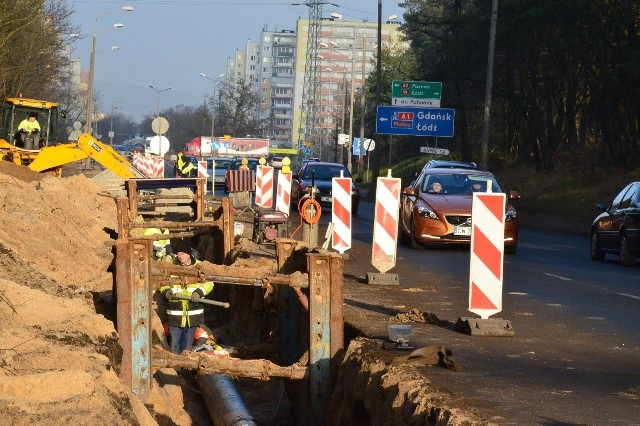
{"x": 436, "y": 208}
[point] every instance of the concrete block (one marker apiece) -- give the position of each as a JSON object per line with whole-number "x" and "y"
{"x": 382, "y": 279}
{"x": 496, "y": 327}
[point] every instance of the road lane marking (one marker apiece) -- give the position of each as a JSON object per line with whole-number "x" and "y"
{"x": 518, "y": 293}
{"x": 560, "y": 277}
{"x": 629, "y": 295}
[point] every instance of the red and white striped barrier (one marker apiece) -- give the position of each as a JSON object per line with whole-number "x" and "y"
{"x": 385, "y": 224}
{"x": 202, "y": 173}
{"x": 283, "y": 200}
{"x": 487, "y": 254}
{"x": 152, "y": 167}
{"x": 341, "y": 214}
{"x": 264, "y": 187}
{"x": 241, "y": 180}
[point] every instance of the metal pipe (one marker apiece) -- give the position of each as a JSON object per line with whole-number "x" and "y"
{"x": 224, "y": 403}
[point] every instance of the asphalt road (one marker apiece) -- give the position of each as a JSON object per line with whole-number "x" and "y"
{"x": 575, "y": 356}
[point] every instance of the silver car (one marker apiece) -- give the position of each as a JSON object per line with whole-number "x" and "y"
{"x": 217, "y": 175}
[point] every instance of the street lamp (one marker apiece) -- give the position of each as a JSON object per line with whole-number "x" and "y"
{"x": 214, "y": 81}
{"x": 158, "y": 98}
{"x": 92, "y": 64}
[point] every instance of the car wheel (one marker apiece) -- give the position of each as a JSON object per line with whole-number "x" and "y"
{"x": 626, "y": 258}
{"x": 595, "y": 250}
{"x": 403, "y": 237}
{"x": 412, "y": 236}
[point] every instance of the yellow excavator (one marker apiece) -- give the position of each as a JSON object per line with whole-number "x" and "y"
{"x": 50, "y": 156}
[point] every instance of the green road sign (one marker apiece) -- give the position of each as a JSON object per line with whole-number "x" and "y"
{"x": 416, "y": 89}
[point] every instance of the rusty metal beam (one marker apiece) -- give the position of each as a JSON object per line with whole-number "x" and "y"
{"x": 134, "y": 314}
{"x": 253, "y": 368}
{"x": 337, "y": 314}
{"x": 319, "y": 332}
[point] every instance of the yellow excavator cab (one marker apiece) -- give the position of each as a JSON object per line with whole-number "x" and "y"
{"x": 17, "y": 109}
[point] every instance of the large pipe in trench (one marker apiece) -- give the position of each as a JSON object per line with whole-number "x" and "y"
{"x": 224, "y": 403}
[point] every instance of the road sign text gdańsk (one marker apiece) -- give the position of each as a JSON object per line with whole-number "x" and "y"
{"x": 391, "y": 120}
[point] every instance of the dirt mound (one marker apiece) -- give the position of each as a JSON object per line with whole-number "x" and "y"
{"x": 57, "y": 356}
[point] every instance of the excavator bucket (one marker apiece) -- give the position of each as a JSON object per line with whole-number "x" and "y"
{"x": 108, "y": 157}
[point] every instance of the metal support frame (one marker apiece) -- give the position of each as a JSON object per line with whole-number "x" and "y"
{"x": 309, "y": 290}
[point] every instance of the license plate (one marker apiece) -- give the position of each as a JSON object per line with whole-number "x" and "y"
{"x": 325, "y": 199}
{"x": 462, "y": 230}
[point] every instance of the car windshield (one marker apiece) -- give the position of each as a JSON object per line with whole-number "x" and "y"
{"x": 324, "y": 172}
{"x": 458, "y": 183}
{"x": 221, "y": 163}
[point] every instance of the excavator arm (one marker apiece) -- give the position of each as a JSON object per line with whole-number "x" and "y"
{"x": 52, "y": 157}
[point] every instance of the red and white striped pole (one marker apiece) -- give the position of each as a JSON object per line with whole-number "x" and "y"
{"x": 487, "y": 253}
{"x": 202, "y": 173}
{"x": 264, "y": 186}
{"x": 385, "y": 224}
{"x": 341, "y": 213}
{"x": 283, "y": 199}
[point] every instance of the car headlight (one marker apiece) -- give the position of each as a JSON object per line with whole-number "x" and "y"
{"x": 510, "y": 214}
{"x": 426, "y": 212}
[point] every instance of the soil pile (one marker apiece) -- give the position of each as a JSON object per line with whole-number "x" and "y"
{"x": 57, "y": 356}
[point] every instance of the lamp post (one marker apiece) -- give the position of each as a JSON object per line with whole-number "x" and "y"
{"x": 214, "y": 81}
{"x": 158, "y": 91}
{"x": 92, "y": 64}
{"x": 111, "y": 134}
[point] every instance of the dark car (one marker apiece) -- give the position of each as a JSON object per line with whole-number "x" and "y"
{"x": 320, "y": 175}
{"x": 235, "y": 164}
{"x": 436, "y": 208}
{"x": 439, "y": 164}
{"x": 616, "y": 230}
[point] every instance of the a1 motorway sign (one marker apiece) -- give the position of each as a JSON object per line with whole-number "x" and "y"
{"x": 416, "y": 89}
{"x": 391, "y": 120}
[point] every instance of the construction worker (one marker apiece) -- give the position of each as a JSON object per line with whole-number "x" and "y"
{"x": 183, "y": 165}
{"x": 184, "y": 316}
{"x": 29, "y": 130}
{"x": 161, "y": 248}
{"x": 202, "y": 340}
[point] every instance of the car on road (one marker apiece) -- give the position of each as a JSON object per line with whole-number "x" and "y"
{"x": 235, "y": 164}
{"x": 616, "y": 230}
{"x": 428, "y": 217}
{"x": 320, "y": 175}
{"x": 219, "y": 174}
{"x": 437, "y": 164}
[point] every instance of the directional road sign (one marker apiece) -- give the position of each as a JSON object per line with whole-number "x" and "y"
{"x": 416, "y": 89}
{"x": 413, "y": 102}
{"x": 391, "y": 120}
{"x": 429, "y": 150}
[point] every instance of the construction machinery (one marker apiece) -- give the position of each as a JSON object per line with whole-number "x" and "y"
{"x": 50, "y": 156}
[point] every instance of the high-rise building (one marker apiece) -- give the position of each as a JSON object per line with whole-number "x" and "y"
{"x": 346, "y": 56}
{"x": 276, "y": 85}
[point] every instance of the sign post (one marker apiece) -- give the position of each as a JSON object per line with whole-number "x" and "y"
{"x": 486, "y": 266}
{"x": 385, "y": 231}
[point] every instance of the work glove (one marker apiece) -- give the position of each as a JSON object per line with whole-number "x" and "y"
{"x": 34, "y": 131}
{"x": 168, "y": 294}
{"x": 195, "y": 297}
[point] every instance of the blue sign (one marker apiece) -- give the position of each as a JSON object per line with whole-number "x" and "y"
{"x": 393, "y": 120}
{"x": 356, "y": 147}
{"x": 227, "y": 145}
{"x": 307, "y": 151}
{"x": 216, "y": 145}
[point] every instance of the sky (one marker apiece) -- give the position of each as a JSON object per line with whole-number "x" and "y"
{"x": 168, "y": 43}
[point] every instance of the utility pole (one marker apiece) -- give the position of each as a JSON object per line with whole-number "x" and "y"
{"x": 363, "y": 105}
{"x": 376, "y": 158}
{"x": 489, "y": 85}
